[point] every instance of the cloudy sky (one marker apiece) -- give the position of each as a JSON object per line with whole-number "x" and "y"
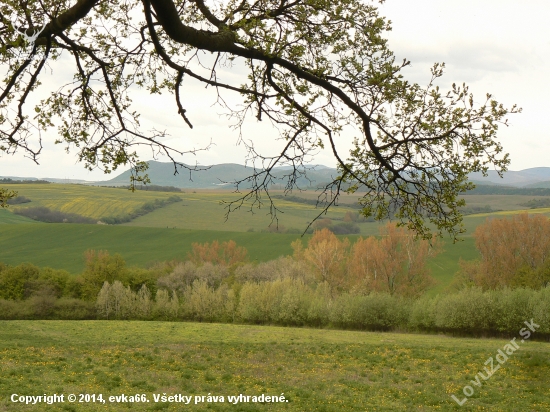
{"x": 496, "y": 46}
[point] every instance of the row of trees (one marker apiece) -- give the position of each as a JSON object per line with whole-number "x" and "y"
{"x": 395, "y": 263}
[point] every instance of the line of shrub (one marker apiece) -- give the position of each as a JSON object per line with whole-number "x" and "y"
{"x": 150, "y": 188}
{"x": 278, "y": 293}
{"x": 18, "y": 200}
{"x": 537, "y": 203}
{"x": 8, "y": 181}
{"x": 291, "y": 302}
{"x": 312, "y": 202}
{"x": 141, "y": 211}
{"x": 47, "y": 307}
{"x": 472, "y": 210}
{"x": 44, "y": 214}
{"x": 507, "y": 190}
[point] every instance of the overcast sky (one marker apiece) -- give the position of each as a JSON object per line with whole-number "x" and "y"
{"x": 496, "y": 46}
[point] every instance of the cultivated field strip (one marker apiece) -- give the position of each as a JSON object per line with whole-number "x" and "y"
{"x": 89, "y": 201}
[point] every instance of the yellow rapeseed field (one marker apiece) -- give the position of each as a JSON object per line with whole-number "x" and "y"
{"x": 89, "y": 201}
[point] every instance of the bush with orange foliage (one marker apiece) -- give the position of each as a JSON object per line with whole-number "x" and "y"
{"x": 514, "y": 253}
{"x": 327, "y": 256}
{"x": 395, "y": 263}
{"x": 225, "y": 254}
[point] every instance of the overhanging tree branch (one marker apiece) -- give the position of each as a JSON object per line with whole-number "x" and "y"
{"x": 316, "y": 70}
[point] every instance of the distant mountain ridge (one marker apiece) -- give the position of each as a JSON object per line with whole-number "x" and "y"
{"x": 222, "y": 176}
{"x": 533, "y": 178}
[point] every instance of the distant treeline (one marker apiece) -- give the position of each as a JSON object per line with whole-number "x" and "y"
{"x": 8, "y": 181}
{"x": 313, "y": 202}
{"x": 467, "y": 210}
{"x": 472, "y": 210}
{"x": 537, "y": 203}
{"x": 507, "y": 190}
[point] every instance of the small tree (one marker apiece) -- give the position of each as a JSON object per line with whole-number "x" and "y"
{"x": 322, "y": 224}
{"x": 122, "y": 299}
{"x": 5, "y": 196}
{"x": 327, "y": 255}
{"x": 17, "y": 282}
{"x": 103, "y": 301}
{"x": 116, "y": 300}
{"x": 101, "y": 267}
{"x": 362, "y": 268}
{"x": 143, "y": 303}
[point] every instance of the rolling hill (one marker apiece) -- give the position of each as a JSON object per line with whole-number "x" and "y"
{"x": 222, "y": 176}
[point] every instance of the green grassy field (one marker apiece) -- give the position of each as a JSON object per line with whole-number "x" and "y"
{"x": 444, "y": 266}
{"x": 62, "y": 246}
{"x": 200, "y": 209}
{"x": 316, "y": 370}
{"x": 204, "y": 212}
{"x": 8, "y": 218}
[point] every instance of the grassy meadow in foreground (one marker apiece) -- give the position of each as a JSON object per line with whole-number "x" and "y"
{"x": 317, "y": 370}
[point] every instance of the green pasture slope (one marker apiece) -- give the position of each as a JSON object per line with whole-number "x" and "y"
{"x": 7, "y": 218}
{"x": 203, "y": 211}
{"x": 315, "y": 370}
{"x": 62, "y": 246}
